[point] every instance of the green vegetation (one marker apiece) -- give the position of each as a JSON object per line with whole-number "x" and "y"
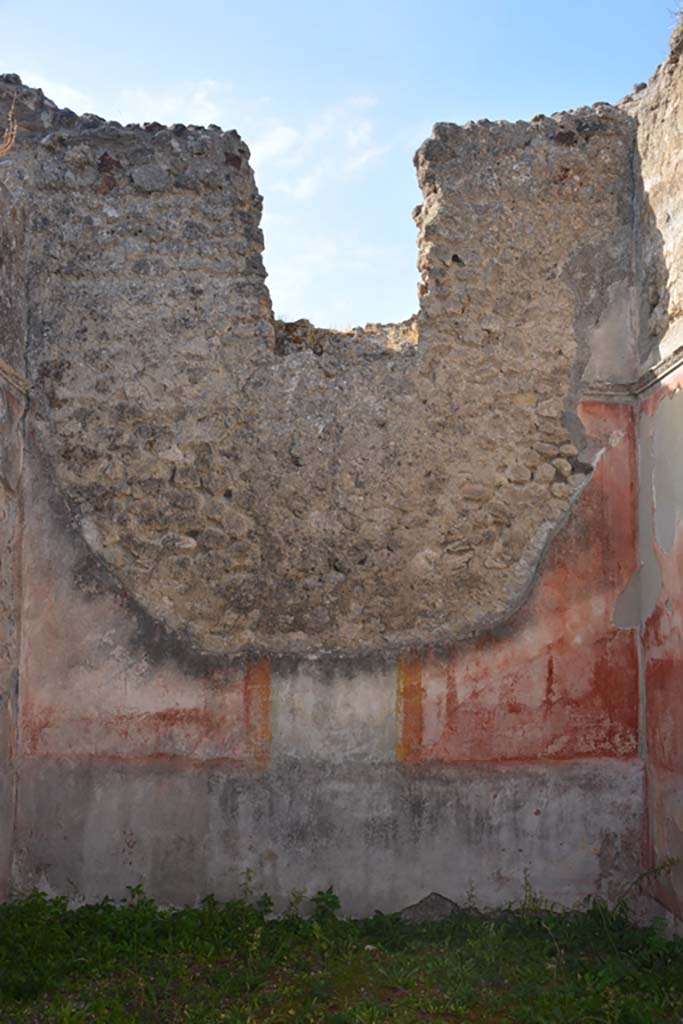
{"x": 134, "y": 962}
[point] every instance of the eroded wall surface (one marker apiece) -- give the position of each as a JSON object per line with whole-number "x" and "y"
{"x": 382, "y": 488}
{"x": 384, "y": 776}
{"x": 659, "y": 112}
{"x": 12, "y": 405}
{"x": 137, "y": 768}
{"x": 364, "y": 609}
{"x": 661, "y": 526}
{"x": 561, "y": 680}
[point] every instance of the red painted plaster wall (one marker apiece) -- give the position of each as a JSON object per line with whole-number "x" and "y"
{"x": 561, "y": 682}
{"x": 87, "y": 689}
{"x": 663, "y": 670}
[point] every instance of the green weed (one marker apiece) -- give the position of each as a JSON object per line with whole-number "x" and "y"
{"x": 133, "y": 962}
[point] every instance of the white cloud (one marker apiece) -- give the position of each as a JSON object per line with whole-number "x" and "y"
{"x": 277, "y": 140}
{"x": 362, "y": 159}
{"x": 303, "y": 187}
{"x": 300, "y": 161}
{"x": 204, "y": 102}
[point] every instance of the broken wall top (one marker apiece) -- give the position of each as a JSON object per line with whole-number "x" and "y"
{"x": 255, "y": 486}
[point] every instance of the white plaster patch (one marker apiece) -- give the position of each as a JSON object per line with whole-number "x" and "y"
{"x": 667, "y": 475}
{"x": 327, "y": 714}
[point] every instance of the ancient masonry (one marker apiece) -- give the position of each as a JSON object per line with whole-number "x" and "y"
{"x": 393, "y": 610}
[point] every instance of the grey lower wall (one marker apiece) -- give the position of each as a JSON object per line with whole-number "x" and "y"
{"x": 382, "y": 835}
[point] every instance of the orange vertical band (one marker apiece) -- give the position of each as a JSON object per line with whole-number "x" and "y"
{"x": 257, "y": 704}
{"x": 409, "y": 684}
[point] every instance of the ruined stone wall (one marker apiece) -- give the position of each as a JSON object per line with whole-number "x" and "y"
{"x": 658, "y": 110}
{"x": 387, "y": 777}
{"x": 385, "y": 487}
{"x": 362, "y": 609}
{"x": 12, "y": 404}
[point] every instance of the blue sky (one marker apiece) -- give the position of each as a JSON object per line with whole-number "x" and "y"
{"x": 333, "y": 99}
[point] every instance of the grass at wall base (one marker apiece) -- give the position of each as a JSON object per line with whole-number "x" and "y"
{"x": 133, "y": 962}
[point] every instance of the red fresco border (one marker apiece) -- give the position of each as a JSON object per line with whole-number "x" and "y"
{"x": 562, "y": 683}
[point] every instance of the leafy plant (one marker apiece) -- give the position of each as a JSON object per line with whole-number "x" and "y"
{"x": 132, "y": 962}
{"x": 326, "y": 903}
